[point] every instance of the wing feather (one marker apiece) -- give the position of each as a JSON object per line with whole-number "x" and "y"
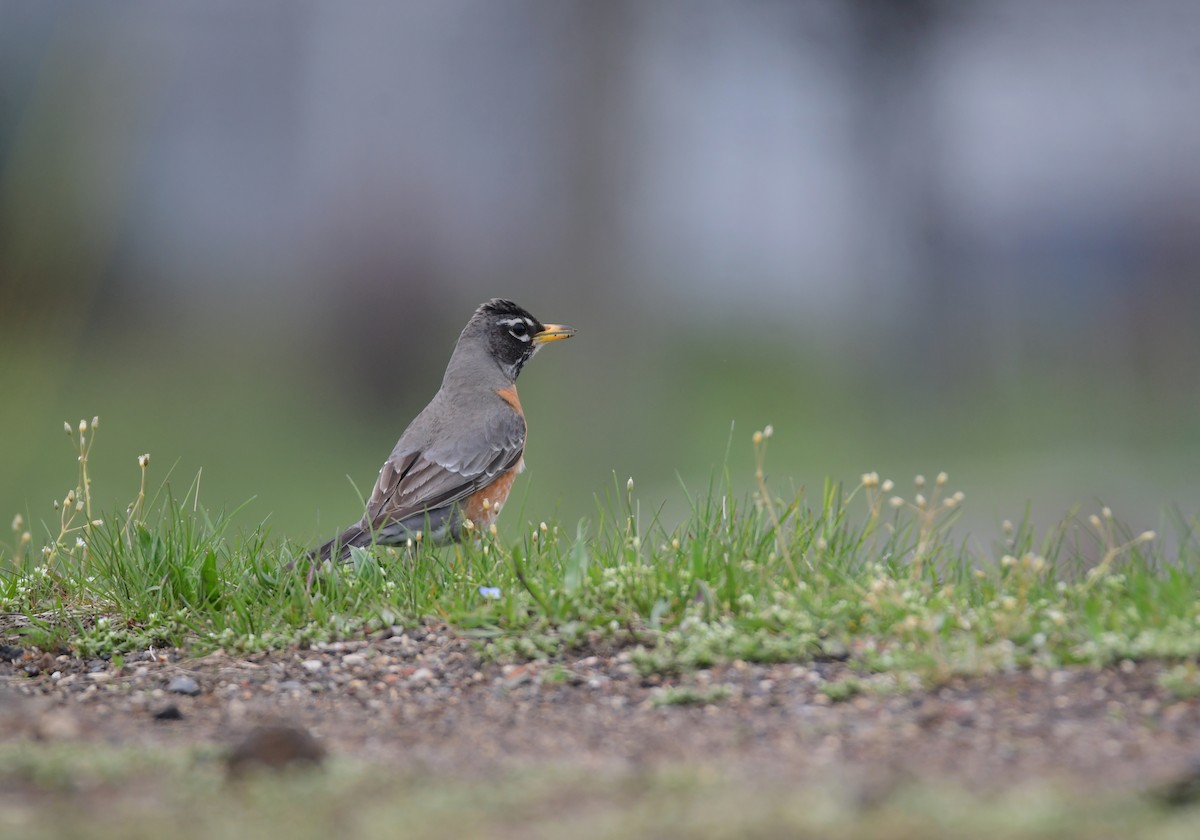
{"x": 415, "y": 481}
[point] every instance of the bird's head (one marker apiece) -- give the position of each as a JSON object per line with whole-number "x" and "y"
{"x": 511, "y": 334}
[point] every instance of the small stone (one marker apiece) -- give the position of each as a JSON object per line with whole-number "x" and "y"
{"x": 100, "y": 676}
{"x": 518, "y": 675}
{"x": 170, "y": 712}
{"x": 184, "y": 684}
{"x": 421, "y": 675}
{"x": 57, "y": 726}
{"x": 291, "y": 685}
{"x": 354, "y": 660}
{"x": 275, "y": 747}
{"x": 312, "y": 665}
{"x": 1183, "y": 790}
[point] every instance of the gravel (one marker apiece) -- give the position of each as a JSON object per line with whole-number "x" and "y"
{"x": 423, "y": 699}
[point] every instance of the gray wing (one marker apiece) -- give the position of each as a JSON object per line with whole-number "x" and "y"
{"x": 419, "y": 479}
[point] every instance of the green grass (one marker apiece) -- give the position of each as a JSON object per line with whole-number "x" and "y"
{"x": 862, "y": 573}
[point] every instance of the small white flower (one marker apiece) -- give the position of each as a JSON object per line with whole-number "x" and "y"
{"x": 492, "y": 593}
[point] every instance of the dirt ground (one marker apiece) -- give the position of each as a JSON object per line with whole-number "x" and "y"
{"x": 423, "y": 700}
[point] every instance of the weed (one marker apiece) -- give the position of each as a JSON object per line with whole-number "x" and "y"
{"x": 691, "y": 695}
{"x": 843, "y": 690}
{"x": 1181, "y": 682}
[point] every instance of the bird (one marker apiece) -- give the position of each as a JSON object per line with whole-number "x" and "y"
{"x": 458, "y": 458}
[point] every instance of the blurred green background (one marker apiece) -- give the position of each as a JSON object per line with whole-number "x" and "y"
{"x": 913, "y": 236}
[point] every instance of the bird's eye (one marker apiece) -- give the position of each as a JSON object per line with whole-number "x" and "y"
{"x": 520, "y": 330}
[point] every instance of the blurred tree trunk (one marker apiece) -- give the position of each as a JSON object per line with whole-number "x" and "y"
{"x": 597, "y": 134}
{"x": 905, "y": 250}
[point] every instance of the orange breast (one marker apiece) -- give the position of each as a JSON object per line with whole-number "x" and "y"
{"x": 495, "y": 494}
{"x": 509, "y": 395}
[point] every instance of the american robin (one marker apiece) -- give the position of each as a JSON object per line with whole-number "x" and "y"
{"x": 458, "y": 458}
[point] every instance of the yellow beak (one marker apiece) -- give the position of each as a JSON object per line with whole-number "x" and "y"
{"x": 553, "y": 332}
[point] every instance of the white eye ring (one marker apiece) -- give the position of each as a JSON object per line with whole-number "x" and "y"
{"x": 518, "y": 328}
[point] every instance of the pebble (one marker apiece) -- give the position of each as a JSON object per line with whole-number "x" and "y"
{"x": 312, "y": 665}
{"x": 516, "y": 675}
{"x": 58, "y": 726}
{"x": 421, "y": 675}
{"x": 275, "y": 747}
{"x": 354, "y": 660}
{"x": 170, "y": 712}
{"x": 182, "y": 684}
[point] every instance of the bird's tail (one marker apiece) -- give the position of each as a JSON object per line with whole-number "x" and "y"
{"x": 338, "y": 548}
